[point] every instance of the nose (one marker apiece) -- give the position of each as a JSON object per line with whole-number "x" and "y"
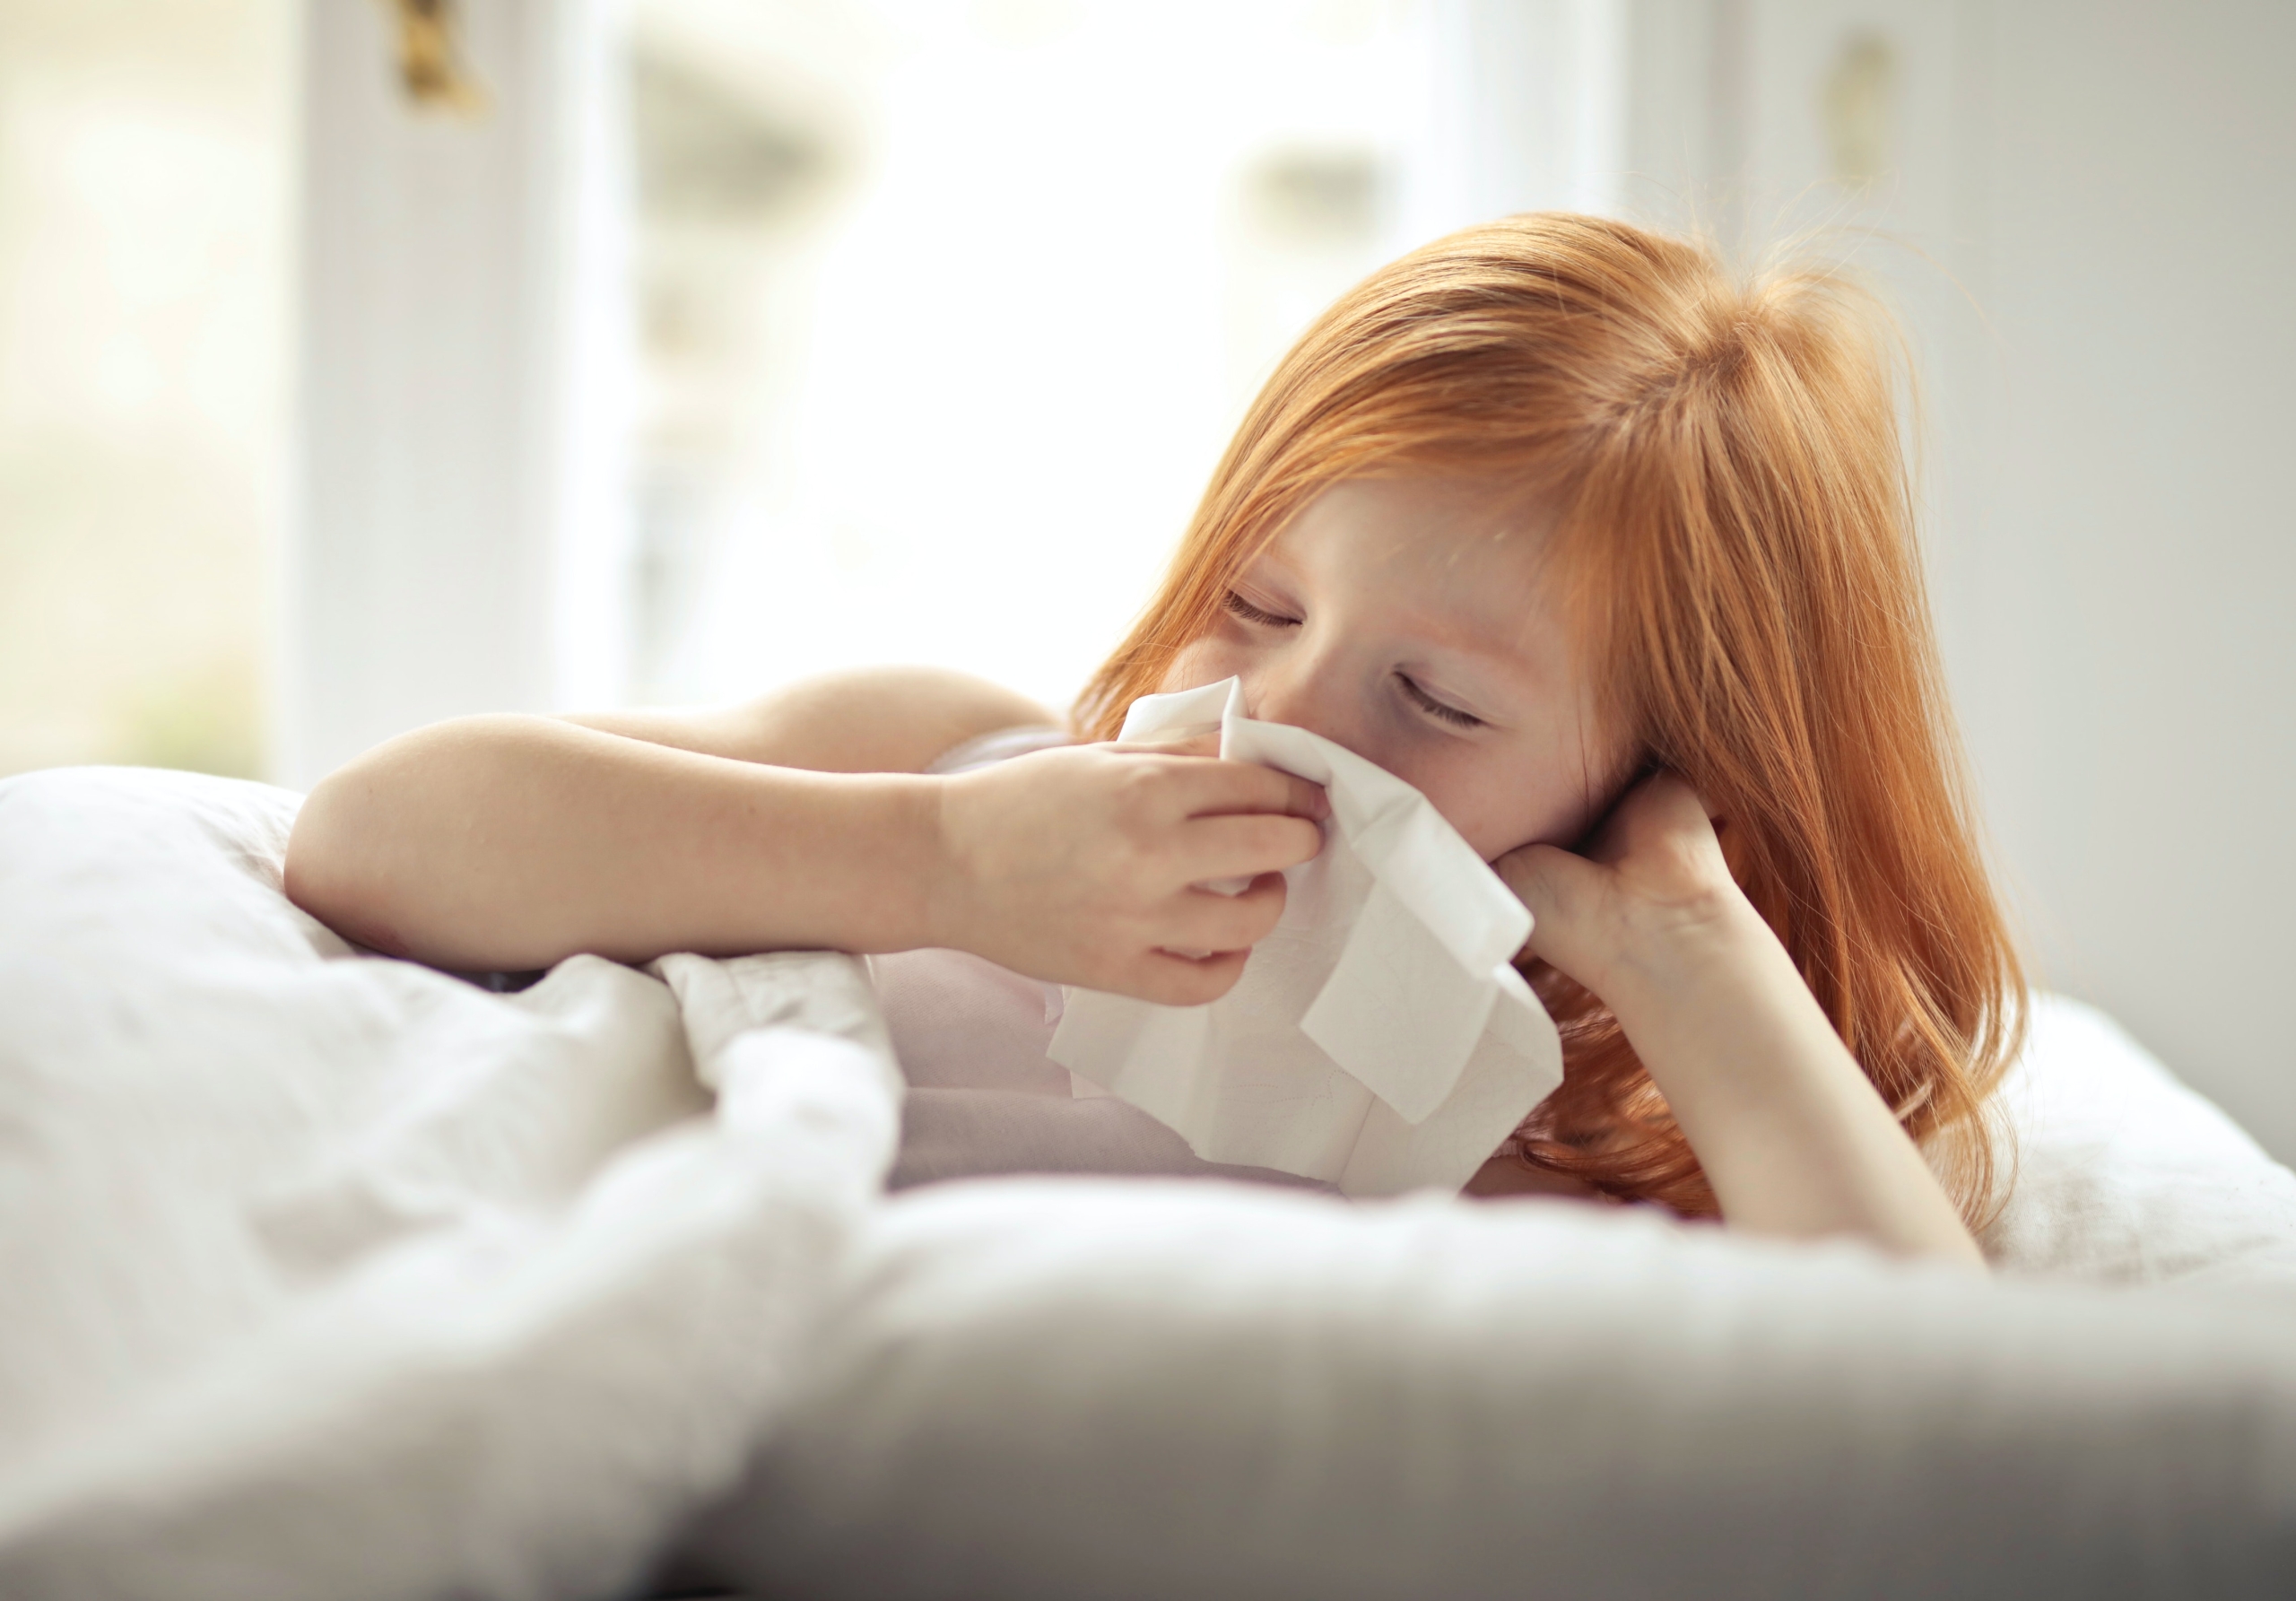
{"x": 1306, "y": 691}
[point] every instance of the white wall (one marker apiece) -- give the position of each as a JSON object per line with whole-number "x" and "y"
{"x": 2135, "y": 706}
{"x": 2092, "y": 212}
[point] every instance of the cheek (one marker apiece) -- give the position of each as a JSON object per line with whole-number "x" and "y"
{"x": 1501, "y": 801}
{"x": 1207, "y": 661}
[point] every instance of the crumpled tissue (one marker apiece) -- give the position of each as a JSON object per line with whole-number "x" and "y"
{"x": 1380, "y": 1038}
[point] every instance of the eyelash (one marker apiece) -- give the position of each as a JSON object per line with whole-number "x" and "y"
{"x": 1436, "y": 708}
{"x": 1249, "y": 613}
{"x": 1240, "y": 607}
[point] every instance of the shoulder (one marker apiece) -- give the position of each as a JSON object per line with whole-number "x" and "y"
{"x": 868, "y": 719}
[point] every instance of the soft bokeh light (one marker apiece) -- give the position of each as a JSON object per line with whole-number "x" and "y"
{"x": 145, "y": 193}
{"x": 1036, "y": 259}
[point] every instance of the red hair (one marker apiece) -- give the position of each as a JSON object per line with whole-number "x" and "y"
{"x": 1736, "y": 531}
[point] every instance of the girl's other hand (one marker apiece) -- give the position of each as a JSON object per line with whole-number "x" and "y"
{"x": 1794, "y": 1137}
{"x": 1654, "y": 885}
{"x": 1083, "y": 865}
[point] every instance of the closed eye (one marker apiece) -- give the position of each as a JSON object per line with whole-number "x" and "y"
{"x": 1240, "y": 607}
{"x": 1433, "y": 708}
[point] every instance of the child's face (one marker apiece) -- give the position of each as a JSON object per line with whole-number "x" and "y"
{"x": 1407, "y": 620}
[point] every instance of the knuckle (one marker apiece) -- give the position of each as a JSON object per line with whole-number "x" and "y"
{"x": 1151, "y": 790}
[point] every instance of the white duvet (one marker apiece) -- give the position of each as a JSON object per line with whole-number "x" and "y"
{"x": 327, "y": 1276}
{"x": 323, "y": 1276}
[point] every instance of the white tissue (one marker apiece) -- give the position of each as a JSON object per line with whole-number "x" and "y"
{"x": 1380, "y": 1038}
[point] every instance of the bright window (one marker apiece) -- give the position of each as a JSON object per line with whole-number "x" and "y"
{"x": 144, "y": 227}
{"x": 948, "y": 309}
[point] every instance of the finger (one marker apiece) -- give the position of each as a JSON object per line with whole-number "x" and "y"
{"x": 1206, "y": 920}
{"x": 1240, "y": 845}
{"x": 1674, "y": 797}
{"x": 1174, "y": 980}
{"x": 1680, "y": 811}
{"x": 1662, "y": 808}
{"x": 1737, "y": 849}
{"x": 1216, "y": 787}
{"x": 1666, "y": 799}
{"x": 1550, "y": 881}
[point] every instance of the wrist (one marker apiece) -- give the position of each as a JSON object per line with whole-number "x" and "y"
{"x": 936, "y": 869}
{"x": 883, "y": 899}
{"x": 924, "y": 899}
{"x": 1722, "y": 942}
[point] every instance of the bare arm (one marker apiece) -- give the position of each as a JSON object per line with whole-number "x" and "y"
{"x": 1793, "y": 1136}
{"x": 874, "y": 720}
{"x": 799, "y": 821}
{"x": 511, "y": 841}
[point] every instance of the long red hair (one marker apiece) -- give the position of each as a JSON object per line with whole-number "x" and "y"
{"x": 1736, "y": 532}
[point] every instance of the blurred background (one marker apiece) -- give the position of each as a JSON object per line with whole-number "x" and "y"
{"x": 367, "y": 362}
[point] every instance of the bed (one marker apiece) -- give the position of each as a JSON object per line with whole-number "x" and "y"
{"x": 328, "y": 1275}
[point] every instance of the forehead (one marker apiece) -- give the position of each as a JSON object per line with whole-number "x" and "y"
{"x": 1460, "y": 560}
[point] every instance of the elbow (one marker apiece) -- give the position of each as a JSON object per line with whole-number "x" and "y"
{"x": 332, "y": 868}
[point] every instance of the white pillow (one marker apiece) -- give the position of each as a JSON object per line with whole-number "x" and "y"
{"x": 2123, "y": 1175}
{"x": 1090, "y": 1387}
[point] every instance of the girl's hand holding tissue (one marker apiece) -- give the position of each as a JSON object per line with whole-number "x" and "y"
{"x": 1086, "y": 865}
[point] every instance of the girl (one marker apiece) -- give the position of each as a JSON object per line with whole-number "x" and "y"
{"x": 1610, "y": 558}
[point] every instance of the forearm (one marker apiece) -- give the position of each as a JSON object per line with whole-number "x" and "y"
{"x": 510, "y": 842}
{"x": 1793, "y": 1136}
